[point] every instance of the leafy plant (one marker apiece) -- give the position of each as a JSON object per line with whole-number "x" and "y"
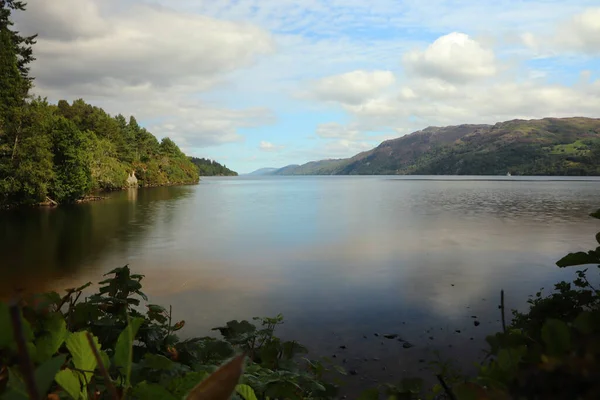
{"x": 103, "y": 346}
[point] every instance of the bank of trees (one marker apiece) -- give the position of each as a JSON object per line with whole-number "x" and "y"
{"x": 208, "y": 167}
{"x": 65, "y": 151}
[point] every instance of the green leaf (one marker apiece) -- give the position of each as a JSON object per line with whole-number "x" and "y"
{"x": 124, "y": 348}
{"x": 16, "y": 387}
{"x": 13, "y": 394}
{"x": 151, "y": 391}
{"x": 579, "y": 258}
{"x": 181, "y": 386}
{"x": 340, "y": 370}
{"x": 283, "y": 390}
{"x": 269, "y": 353}
{"x": 48, "y": 344}
{"x": 596, "y": 214}
{"x": 246, "y": 392}
{"x": 158, "y": 362}
{"x": 584, "y": 322}
{"x": 6, "y": 330}
{"x": 236, "y": 328}
{"x": 69, "y": 381}
{"x": 104, "y": 358}
{"x": 292, "y": 348}
{"x": 369, "y": 394}
{"x": 465, "y": 392}
{"x": 556, "y": 336}
{"x": 83, "y": 356}
{"x": 45, "y": 300}
{"x": 45, "y": 373}
{"x": 413, "y": 385}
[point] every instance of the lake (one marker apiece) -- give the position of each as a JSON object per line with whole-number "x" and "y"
{"x": 341, "y": 257}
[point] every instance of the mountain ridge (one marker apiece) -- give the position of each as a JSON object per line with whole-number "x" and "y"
{"x": 547, "y": 146}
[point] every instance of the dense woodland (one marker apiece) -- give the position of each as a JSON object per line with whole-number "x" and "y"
{"x": 61, "y": 153}
{"x": 208, "y": 167}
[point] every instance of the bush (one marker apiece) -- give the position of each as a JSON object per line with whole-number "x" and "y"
{"x": 105, "y": 347}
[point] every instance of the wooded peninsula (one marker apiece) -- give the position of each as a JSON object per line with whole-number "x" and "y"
{"x": 60, "y": 153}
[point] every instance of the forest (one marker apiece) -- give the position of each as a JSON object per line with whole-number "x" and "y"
{"x": 208, "y": 167}
{"x": 60, "y": 153}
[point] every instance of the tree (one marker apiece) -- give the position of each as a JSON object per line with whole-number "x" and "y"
{"x": 27, "y": 175}
{"x": 72, "y": 173}
{"x": 20, "y": 148}
{"x": 20, "y": 45}
{"x": 169, "y": 148}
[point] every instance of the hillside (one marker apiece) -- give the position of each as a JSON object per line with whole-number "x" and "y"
{"x": 208, "y": 167}
{"x": 66, "y": 151}
{"x": 264, "y": 171}
{"x": 549, "y": 146}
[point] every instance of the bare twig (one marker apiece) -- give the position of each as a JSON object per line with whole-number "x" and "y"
{"x": 65, "y": 299}
{"x": 26, "y": 364}
{"x": 589, "y": 284}
{"x": 107, "y": 381}
{"x": 502, "y": 310}
{"x": 446, "y": 388}
{"x": 169, "y": 326}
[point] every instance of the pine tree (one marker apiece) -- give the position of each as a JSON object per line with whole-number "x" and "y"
{"x": 21, "y": 45}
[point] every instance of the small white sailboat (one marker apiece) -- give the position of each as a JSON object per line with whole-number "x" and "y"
{"x": 508, "y": 173}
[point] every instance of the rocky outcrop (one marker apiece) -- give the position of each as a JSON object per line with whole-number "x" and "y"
{"x": 132, "y": 180}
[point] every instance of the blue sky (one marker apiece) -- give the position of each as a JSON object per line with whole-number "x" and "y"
{"x": 257, "y": 83}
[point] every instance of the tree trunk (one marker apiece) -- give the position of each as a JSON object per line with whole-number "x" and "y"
{"x": 14, "y": 152}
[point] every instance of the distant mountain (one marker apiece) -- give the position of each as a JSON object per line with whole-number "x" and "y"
{"x": 264, "y": 171}
{"x": 549, "y": 146}
{"x": 312, "y": 168}
{"x": 208, "y": 167}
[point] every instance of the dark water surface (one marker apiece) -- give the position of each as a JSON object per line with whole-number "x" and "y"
{"x": 340, "y": 257}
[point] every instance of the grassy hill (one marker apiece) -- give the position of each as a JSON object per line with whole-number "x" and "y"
{"x": 549, "y": 146}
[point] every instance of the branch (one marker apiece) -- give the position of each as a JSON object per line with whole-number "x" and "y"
{"x": 107, "y": 381}
{"x": 502, "y": 310}
{"x": 446, "y": 388}
{"x": 26, "y": 364}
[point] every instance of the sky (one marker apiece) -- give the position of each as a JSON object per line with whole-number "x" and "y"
{"x": 267, "y": 83}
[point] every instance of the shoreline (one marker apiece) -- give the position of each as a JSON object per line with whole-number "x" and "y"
{"x": 98, "y": 196}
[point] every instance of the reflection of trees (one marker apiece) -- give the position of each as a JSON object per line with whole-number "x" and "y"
{"x": 41, "y": 244}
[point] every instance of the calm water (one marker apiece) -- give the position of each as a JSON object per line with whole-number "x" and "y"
{"x": 340, "y": 257}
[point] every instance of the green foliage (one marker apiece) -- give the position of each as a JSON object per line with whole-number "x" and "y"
{"x": 26, "y": 156}
{"x": 208, "y": 167}
{"x": 105, "y": 344}
{"x": 67, "y": 151}
{"x": 60, "y": 154}
{"x": 72, "y": 173}
{"x": 551, "y": 351}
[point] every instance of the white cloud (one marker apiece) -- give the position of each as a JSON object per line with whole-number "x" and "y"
{"x": 447, "y": 93}
{"x": 202, "y": 126}
{"x": 352, "y": 87}
{"x": 146, "y": 60}
{"x": 139, "y": 45}
{"x": 579, "y": 34}
{"x": 336, "y": 130}
{"x": 268, "y": 146}
{"x": 582, "y": 32}
{"x": 201, "y": 70}
{"x": 454, "y": 58}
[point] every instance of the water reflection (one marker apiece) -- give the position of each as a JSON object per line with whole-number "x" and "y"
{"x": 341, "y": 257}
{"x": 39, "y": 246}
